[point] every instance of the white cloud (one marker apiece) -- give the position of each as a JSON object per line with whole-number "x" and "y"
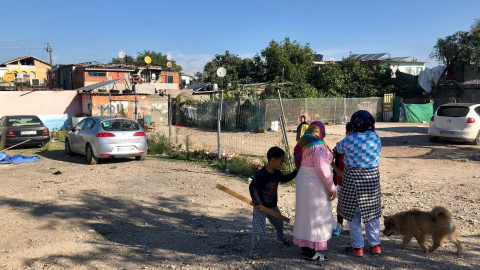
{"x": 189, "y": 63}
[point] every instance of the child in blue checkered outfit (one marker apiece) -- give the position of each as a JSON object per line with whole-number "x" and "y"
{"x": 361, "y": 195}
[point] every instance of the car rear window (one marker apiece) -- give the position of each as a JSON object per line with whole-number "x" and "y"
{"x": 24, "y": 121}
{"x": 113, "y": 125}
{"x": 453, "y": 111}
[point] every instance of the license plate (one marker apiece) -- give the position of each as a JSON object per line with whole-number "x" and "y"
{"x": 28, "y": 132}
{"x": 124, "y": 149}
{"x": 447, "y": 132}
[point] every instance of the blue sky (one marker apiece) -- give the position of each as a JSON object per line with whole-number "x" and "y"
{"x": 193, "y": 32}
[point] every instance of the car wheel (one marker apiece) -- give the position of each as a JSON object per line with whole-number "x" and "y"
{"x": 477, "y": 140}
{"x": 432, "y": 138}
{"x": 91, "y": 158}
{"x": 142, "y": 157}
{"x": 68, "y": 150}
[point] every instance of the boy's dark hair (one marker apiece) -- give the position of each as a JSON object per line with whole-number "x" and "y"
{"x": 349, "y": 127}
{"x": 275, "y": 152}
{"x": 303, "y": 116}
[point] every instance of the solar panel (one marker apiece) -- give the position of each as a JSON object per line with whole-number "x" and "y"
{"x": 400, "y": 58}
{"x": 369, "y": 57}
{"x": 197, "y": 86}
{"x": 98, "y": 85}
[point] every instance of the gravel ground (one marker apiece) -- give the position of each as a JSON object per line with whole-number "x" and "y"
{"x": 160, "y": 214}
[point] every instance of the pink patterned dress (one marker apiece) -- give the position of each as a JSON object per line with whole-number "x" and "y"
{"x": 314, "y": 222}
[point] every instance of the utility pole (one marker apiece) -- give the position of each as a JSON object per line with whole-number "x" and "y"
{"x": 49, "y": 50}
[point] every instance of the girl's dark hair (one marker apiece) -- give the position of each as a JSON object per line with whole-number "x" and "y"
{"x": 275, "y": 152}
{"x": 349, "y": 127}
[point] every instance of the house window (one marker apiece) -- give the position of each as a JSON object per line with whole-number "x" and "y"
{"x": 408, "y": 70}
{"x": 418, "y": 70}
{"x": 97, "y": 74}
{"x": 168, "y": 79}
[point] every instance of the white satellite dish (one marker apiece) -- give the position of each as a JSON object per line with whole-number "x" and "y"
{"x": 169, "y": 57}
{"x": 169, "y": 64}
{"x": 121, "y": 55}
{"x": 221, "y": 72}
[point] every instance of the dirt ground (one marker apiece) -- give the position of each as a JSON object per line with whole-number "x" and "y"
{"x": 160, "y": 214}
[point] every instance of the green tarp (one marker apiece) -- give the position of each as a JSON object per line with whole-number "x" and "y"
{"x": 418, "y": 113}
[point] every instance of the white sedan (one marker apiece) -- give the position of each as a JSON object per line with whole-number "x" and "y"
{"x": 456, "y": 122}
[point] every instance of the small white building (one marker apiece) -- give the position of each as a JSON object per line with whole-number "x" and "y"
{"x": 407, "y": 64}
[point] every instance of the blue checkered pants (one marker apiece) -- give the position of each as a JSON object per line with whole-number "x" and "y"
{"x": 259, "y": 224}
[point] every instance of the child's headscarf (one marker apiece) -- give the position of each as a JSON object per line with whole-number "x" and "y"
{"x": 313, "y": 136}
{"x": 362, "y": 121}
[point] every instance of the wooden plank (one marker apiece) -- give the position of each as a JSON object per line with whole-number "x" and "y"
{"x": 248, "y": 201}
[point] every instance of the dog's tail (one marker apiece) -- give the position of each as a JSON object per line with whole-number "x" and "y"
{"x": 441, "y": 213}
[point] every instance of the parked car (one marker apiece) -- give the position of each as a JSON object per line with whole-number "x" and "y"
{"x": 106, "y": 137}
{"x": 29, "y": 129}
{"x": 457, "y": 122}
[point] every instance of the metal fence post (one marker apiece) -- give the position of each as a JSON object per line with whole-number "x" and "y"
{"x": 284, "y": 131}
{"x": 219, "y": 137}
{"x": 170, "y": 118}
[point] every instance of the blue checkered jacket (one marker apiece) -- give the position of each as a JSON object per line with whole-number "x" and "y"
{"x": 361, "y": 149}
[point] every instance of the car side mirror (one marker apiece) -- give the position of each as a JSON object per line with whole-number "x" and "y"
{"x": 74, "y": 129}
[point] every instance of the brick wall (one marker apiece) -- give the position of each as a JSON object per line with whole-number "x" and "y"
{"x": 120, "y": 104}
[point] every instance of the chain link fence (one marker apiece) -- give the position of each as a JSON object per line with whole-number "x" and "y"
{"x": 251, "y": 128}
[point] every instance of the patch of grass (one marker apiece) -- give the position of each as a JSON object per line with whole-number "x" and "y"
{"x": 2, "y": 145}
{"x": 241, "y": 167}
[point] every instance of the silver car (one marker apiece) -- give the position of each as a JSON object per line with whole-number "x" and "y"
{"x": 106, "y": 137}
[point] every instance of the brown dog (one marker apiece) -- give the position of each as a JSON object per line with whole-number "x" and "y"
{"x": 415, "y": 223}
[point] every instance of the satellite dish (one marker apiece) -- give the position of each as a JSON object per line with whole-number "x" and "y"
{"x": 9, "y": 76}
{"x": 169, "y": 57}
{"x": 221, "y": 72}
{"x": 121, "y": 55}
{"x": 169, "y": 64}
{"x": 148, "y": 60}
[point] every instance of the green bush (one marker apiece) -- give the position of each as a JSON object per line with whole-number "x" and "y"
{"x": 159, "y": 144}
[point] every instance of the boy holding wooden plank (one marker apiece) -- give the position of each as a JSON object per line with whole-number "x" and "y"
{"x": 263, "y": 190}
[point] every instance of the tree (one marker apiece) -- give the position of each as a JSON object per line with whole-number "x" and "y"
{"x": 459, "y": 49}
{"x": 351, "y": 78}
{"x": 238, "y": 70}
{"x": 157, "y": 60}
{"x": 285, "y": 61}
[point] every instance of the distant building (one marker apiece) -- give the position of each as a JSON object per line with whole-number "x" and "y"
{"x": 147, "y": 80}
{"x": 408, "y": 64}
{"x": 26, "y": 68}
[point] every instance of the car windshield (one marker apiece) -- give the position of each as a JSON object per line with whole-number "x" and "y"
{"x": 24, "y": 121}
{"x": 120, "y": 124}
{"x": 453, "y": 111}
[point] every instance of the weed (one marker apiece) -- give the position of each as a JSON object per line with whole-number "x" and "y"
{"x": 2, "y": 145}
{"x": 188, "y": 144}
{"x": 177, "y": 131}
{"x": 159, "y": 144}
{"x": 45, "y": 147}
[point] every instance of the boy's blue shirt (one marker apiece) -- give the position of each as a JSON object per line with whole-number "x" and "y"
{"x": 361, "y": 149}
{"x": 264, "y": 185}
